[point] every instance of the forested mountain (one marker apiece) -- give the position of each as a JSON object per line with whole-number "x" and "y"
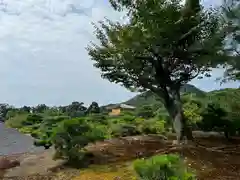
{"x": 226, "y": 97}
{"x": 150, "y": 98}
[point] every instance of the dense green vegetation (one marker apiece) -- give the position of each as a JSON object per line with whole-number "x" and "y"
{"x": 163, "y": 46}
{"x": 70, "y": 128}
{"x": 163, "y": 167}
{"x": 149, "y": 98}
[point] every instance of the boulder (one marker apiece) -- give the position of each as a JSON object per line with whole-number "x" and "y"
{"x": 8, "y": 164}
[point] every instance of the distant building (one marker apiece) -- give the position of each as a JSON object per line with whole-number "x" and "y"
{"x": 116, "y": 110}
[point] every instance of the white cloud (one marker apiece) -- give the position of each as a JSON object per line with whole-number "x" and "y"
{"x": 43, "y": 56}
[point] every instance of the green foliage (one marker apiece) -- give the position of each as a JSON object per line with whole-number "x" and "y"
{"x": 13, "y": 112}
{"x": 33, "y": 119}
{"x": 71, "y": 136}
{"x": 17, "y": 121}
{"x": 97, "y": 118}
{"x": 4, "y": 108}
{"x": 93, "y": 108}
{"x": 215, "y": 118}
{"x": 40, "y": 108}
{"x": 149, "y": 98}
{"x": 45, "y": 130}
{"x": 126, "y": 117}
{"x": 25, "y": 109}
{"x": 163, "y": 46}
{"x": 54, "y": 111}
{"x": 26, "y": 130}
{"x": 146, "y": 111}
{"x": 29, "y": 129}
{"x": 216, "y": 111}
{"x": 156, "y": 30}
{"x": 42, "y": 142}
{"x": 162, "y": 167}
{"x": 192, "y": 113}
{"x": 152, "y": 126}
{"x": 123, "y": 129}
{"x": 75, "y": 109}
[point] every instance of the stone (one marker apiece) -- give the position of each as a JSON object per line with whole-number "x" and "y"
{"x": 8, "y": 164}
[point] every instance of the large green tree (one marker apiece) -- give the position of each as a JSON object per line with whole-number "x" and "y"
{"x": 164, "y": 45}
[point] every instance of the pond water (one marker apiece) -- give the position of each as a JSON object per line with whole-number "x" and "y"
{"x": 13, "y": 142}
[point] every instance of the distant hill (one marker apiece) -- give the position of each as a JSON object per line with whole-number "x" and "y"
{"x": 228, "y": 99}
{"x": 150, "y": 98}
{"x": 188, "y": 88}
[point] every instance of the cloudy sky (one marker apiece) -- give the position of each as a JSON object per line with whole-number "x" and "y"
{"x": 43, "y": 56}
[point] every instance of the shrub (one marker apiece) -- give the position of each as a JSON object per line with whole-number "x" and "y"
{"x": 128, "y": 118}
{"x": 123, "y": 129}
{"x": 146, "y": 111}
{"x": 71, "y": 136}
{"x": 192, "y": 114}
{"x": 54, "y": 119}
{"x": 45, "y": 130}
{"x": 97, "y": 118}
{"x": 16, "y": 121}
{"x": 26, "y": 130}
{"x": 42, "y": 142}
{"x": 127, "y": 113}
{"x": 36, "y": 133}
{"x": 33, "y": 119}
{"x": 215, "y": 118}
{"x": 152, "y": 126}
{"x": 162, "y": 167}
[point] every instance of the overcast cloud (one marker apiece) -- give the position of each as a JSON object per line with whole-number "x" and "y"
{"x": 43, "y": 56}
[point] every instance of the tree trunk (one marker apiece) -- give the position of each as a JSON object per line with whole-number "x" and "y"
{"x": 174, "y": 107}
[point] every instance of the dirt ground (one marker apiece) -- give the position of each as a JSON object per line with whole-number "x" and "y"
{"x": 215, "y": 159}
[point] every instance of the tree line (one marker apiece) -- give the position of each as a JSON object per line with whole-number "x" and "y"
{"x": 75, "y": 109}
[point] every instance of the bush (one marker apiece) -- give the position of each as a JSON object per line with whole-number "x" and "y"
{"x": 146, "y": 111}
{"x": 128, "y": 118}
{"x": 97, "y": 118}
{"x": 17, "y": 121}
{"x": 162, "y": 167}
{"x": 71, "y": 136}
{"x": 42, "y": 142}
{"x": 33, "y": 119}
{"x": 123, "y": 130}
{"x": 54, "y": 119}
{"x": 152, "y": 126}
{"x": 36, "y": 133}
{"x": 26, "y": 130}
{"x": 214, "y": 118}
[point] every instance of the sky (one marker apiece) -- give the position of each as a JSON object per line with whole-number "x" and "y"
{"x": 43, "y": 56}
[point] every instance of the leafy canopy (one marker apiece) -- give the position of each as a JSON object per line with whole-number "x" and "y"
{"x": 164, "y": 44}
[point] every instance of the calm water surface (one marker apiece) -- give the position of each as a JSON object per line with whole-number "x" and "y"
{"x": 12, "y": 142}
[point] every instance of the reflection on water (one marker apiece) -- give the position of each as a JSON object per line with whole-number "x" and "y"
{"x": 12, "y": 142}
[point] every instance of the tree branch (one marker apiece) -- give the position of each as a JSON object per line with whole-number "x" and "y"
{"x": 187, "y": 76}
{"x": 145, "y": 83}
